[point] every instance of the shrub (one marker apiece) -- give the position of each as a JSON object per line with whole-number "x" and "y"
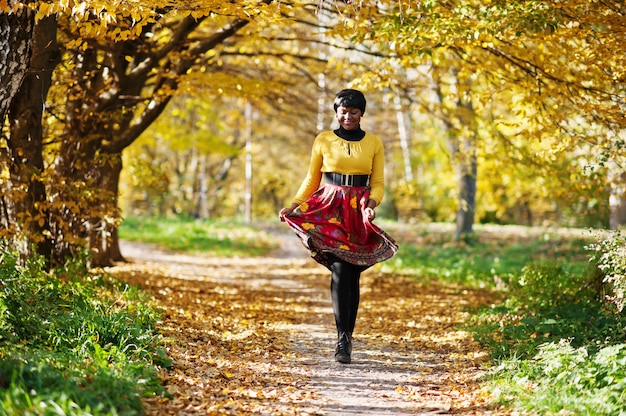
{"x": 544, "y": 304}
{"x": 562, "y": 379}
{"x": 78, "y": 343}
{"x": 609, "y": 256}
{"x": 542, "y": 285}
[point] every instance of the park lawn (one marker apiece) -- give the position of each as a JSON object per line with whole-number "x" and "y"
{"x": 221, "y": 238}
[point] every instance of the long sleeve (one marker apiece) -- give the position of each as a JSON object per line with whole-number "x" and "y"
{"x": 377, "y": 177}
{"x": 313, "y": 177}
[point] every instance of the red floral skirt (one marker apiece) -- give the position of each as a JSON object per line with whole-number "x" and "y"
{"x": 331, "y": 224}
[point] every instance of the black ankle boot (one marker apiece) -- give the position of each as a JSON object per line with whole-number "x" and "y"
{"x": 344, "y": 348}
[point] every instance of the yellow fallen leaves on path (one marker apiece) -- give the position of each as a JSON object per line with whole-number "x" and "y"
{"x": 256, "y": 337}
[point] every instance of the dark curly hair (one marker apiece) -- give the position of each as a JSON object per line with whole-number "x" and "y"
{"x": 350, "y": 98}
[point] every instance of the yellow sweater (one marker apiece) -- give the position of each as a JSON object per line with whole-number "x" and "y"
{"x": 331, "y": 153}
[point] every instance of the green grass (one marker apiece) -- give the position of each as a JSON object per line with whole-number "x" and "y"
{"x": 495, "y": 255}
{"x": 74, "y": 343}
{"x": 211, "y": 237}
{"x": 562, "y": 379}
{"x": 557, "y": 345}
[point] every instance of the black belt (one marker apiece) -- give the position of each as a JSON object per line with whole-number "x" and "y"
{"x": 346, "y": 180}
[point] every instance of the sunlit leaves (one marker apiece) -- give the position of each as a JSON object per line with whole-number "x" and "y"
{"x": 567, "y": 51}
{"x": 545, "y": 75}
{"x": 116, "y": 20}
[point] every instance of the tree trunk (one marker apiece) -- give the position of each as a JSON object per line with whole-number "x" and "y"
{"x": 617, "y": 183}
{"x": 404, "y": 131}
{"x": 31, "y": 214}
{"x": 85, "y": 204}
{"x": 463, "y": 156}
{"x": 617, "y": 198}
{"x": 16, "y": 30}
{"x": 103, "y": 237}
{"x": 460, "y": 121}
{"x": 85, "y": 186}
{"x": 202, "y": 206}
{"x": 15, "y": 50}
{"x": 466, "y": 171}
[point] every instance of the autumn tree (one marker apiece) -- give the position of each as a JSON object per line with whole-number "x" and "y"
{"x": 121, "y": 64}
{"x": 197, "y": 150}
{"x": 562, "y": 62}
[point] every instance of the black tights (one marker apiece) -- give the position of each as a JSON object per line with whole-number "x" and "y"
{"x": 345, "y": 294}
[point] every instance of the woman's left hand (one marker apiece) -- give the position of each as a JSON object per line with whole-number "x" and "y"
{"x": 370, "y": 213}
{"x": 369, "y": 210}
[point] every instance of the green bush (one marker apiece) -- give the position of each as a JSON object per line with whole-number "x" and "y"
{"x": 75, "y": 344}
{"x": 609, "y": 256}
{"x": 543, "y": 285}
{"x": 557, "y": 348}
{"x": 562, "y": 379}
{"x": 544, "y": 304}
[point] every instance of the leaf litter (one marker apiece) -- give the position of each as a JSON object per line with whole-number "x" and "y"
{"x": 255, "y": 336}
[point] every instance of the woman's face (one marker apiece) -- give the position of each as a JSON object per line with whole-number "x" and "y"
{"x": 349, "y": 118}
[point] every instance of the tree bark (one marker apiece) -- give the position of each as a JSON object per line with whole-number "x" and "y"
{"x": 459, "y": 119}
{"x": 103, "y": 237}
{"x": 463, "y": 155}
{"x": 617, "y": 184}
{"x": 15, "y": 50}
{"x": 617, "y": 198}
{"x": 404, "y": 132}
{"x": 25, "y": 145}
{"x": 466, "y": 171}
{"x": 16, "y": 31}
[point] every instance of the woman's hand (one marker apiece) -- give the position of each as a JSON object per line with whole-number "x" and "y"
{"x": 369, "y": 210}
{"x": 286, "y": 211}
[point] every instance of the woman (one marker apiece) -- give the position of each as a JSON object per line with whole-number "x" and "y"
{"x": 334, "y": 222}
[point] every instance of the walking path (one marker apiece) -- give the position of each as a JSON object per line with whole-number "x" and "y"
{"x": 256, "y": 337}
